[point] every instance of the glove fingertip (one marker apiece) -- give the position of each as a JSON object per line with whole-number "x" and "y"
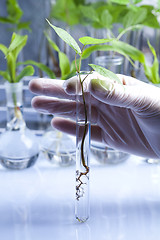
{"x": 69, "y": 85}
{"x": 101, "y": 86}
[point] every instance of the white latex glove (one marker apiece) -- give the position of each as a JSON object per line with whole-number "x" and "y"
{"x": 125, "y": 117}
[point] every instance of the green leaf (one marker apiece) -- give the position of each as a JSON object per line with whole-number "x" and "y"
{"x": 105, "y": 72}
{"x": 4, "y": 49}
{"x": 24, "y": 25}
{"x": 17, "y": 44}
{"x": 27, "y": 71}
{"x": 128, "y": 50}
{"x": 11, "y": 66}
{"x": 52, "y": 43}
{"x": 120, "y": 47}
{"x": 88, "y": 51}
{"x": 64, "y": 64}
{"x": 151, "y": 21}
{"x": 6, "y": 20}
{"x": 134, "y": 17}
{"x": 89, "y": 13}
{"x": 5, "y": 75}
{"x": 16, "y": 41}
{"x": 152, "y": 49}
{"x": 66, "y": 37}
{"x": 90, "y": 40}
{"x": 66, "y": 11}
{"x": 123, "y": 2}
{"x": 152, "y": 73}
{"x": 14, "y": 11}
{"x": 41, "y": 66}
{"x": 136, "y": 1}
{"x": 106, "y": 19}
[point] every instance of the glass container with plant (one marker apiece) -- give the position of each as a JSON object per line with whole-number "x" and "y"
{"x": 150, "y": 69}
{"x": 59, "y": 148}
{"x": 108, "y": 19}
{"x": 19, "y": 147}
{"x": 83, "y": 121}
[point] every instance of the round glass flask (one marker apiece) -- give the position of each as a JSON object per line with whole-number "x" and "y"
{"x": 59, "y": 148}
{"x": 19, "y": 147}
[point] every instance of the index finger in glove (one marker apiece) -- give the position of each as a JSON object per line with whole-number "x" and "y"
{"x": 72, "y": 85}
{"x": 49, "y": 87}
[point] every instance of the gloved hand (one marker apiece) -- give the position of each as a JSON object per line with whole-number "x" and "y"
{"x": 124, "y": 116}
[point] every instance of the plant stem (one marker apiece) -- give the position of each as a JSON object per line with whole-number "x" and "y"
{"x": 82, "y": 173}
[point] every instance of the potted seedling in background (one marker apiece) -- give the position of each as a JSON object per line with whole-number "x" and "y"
{"x": 83, "y": 114}
{"x": 59, "y": 148}
{"x": 107, "y": 18}
{"x": 11, "y": 56}
{"x": 19, "y": 148}
{"x": 66, "y": 67}
{"x": 66, "y": 14}
{"x": 14, "y": 21}
{"x": 150, "y": 69}
{"x": 14, "y": 15}
{"x": 116, "y": 16}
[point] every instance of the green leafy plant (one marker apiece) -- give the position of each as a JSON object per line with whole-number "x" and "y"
{"x": 11, "y": 56}
{"x": 151, "y": 70}
{"x": 68, "y": 15}
{"x": 63, "y": 68}
{"x": 79, "y": 52}
{"x": 66, "y": 11}
{"x": 11, "y": 53}
{"x": 13, "y": 74}
{"x": 127, "y": 14}
{"x": 14, "y": 15}
{"x": 103, "y": 15}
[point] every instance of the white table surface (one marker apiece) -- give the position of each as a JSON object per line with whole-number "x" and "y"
{"x": 38, "y": 203}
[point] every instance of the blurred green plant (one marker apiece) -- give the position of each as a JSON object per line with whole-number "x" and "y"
{"x": 124, "y": 12}
{"x": 113, "y": 45}
{"x": 14, "y": 15}
{"x": 12, "y": 74}
{"x": 129, "y": 16}
{"x": 11, "y": 55}
{"x": 66, "y": 69}
{"x": 151, "y": 70}
{"x": 67, "y": 11}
